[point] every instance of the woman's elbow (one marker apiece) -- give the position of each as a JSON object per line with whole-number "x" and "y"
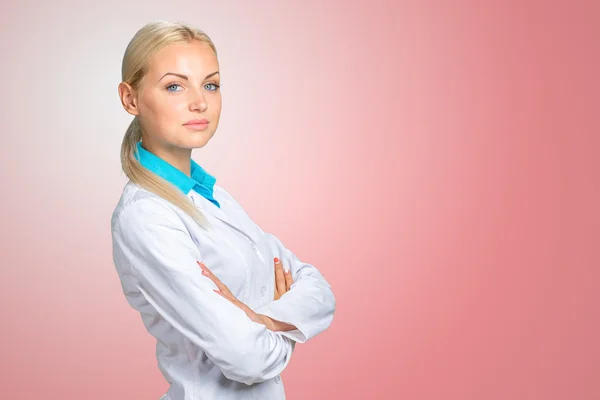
{"x": 245, "y": 365}
{"x": 253, "y": 356}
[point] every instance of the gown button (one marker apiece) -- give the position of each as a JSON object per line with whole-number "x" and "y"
{"x": 263, "y": 291}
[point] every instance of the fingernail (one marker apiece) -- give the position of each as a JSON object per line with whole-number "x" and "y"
{"x": 276, "y": 260}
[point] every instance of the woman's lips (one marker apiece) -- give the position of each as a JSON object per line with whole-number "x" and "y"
{"x": 196, "y": 126}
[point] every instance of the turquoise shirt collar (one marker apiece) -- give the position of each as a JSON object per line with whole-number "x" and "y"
{"x": 201, "y": 181}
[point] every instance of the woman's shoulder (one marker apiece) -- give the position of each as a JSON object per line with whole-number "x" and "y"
{"x": 223, "y": 195}
{"x": 219, "y": 190}
{"x": 231, "y": 206}
{"x": 138, "y": 202}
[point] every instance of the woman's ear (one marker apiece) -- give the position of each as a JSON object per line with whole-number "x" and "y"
{"x": 128, "y": 98}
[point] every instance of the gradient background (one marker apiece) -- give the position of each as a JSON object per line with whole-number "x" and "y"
{"x": 438, "y": 161}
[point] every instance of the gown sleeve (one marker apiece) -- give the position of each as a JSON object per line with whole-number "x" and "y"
{"x": 309, "y": 305}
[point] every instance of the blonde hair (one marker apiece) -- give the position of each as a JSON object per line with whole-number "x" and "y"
{"x": 145, "y": 43}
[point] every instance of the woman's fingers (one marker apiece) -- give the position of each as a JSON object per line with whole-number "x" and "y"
{"x": 283, "y": 280}
{"x": 207, "y": 272}
{"x": 279, "y": 277}
{"x": 229, "y": 297}
{"x": 223, "y": 291}
{"x": 288, "y": 279}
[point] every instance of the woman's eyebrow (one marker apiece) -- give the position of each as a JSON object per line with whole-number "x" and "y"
{"x": 185, "y": 76}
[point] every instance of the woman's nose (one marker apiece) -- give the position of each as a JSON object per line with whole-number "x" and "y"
{"x": 198, "y": 102}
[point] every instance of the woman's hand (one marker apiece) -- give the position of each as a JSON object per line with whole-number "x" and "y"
{"x": 283, "y": 279}
{"x": 225, "y": 292}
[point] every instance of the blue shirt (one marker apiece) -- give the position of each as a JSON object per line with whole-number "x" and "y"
{"x": 201, "y": 181}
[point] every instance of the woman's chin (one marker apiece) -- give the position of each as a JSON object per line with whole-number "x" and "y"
{"x": 197, "y": 140}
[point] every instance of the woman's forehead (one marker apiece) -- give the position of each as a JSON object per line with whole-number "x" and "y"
{"x": 195, "y": 58}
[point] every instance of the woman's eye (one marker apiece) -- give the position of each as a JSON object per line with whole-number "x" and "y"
{"x": 209, "y": 86}
{"x": 214, "y": 86}
{"x": 172, "y": 85}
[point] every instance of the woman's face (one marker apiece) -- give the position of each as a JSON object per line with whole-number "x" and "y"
{"x": 181, "y": 85}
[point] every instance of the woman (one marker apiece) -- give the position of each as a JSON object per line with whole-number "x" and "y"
{"x": 209, "y": 283}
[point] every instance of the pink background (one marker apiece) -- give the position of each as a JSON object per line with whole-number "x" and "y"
{"x": 438, "y": 161}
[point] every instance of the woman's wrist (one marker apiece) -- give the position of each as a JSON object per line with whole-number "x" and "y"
{"x": 276, "y": 326}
